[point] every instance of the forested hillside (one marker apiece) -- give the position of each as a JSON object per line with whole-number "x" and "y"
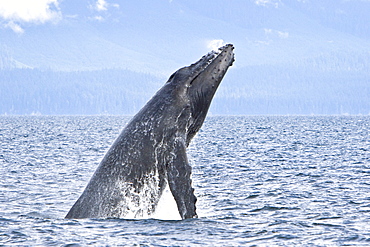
{"x": 339, "y": 85}
{"x": 32, "y": 91}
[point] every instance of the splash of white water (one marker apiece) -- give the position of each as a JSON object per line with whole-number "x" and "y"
{"x": 166, "y": 208}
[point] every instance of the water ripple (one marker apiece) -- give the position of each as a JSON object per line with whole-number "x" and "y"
{"x": 260, "y": 181}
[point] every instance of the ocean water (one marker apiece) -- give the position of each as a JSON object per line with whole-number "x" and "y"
{"x": 260, "y": 181}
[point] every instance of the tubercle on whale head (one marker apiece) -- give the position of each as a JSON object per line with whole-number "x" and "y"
{"x": 185, "y": 75}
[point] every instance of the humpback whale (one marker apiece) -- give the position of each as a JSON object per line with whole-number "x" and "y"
{"x": 150, "y": 152}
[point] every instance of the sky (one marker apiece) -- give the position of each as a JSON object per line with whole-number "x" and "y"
{"x": 255, "y": 37}
{"x": 16, "y": 13}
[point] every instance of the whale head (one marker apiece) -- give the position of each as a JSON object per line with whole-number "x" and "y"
{"x": 194, "y": 86}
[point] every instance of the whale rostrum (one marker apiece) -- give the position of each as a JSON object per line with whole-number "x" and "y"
{"x": 150, "y": 152}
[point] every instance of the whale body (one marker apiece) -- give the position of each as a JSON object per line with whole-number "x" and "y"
{"x": 150, "y": 152}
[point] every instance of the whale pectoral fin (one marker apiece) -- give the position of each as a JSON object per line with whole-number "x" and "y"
{"x": 178, "y": 173}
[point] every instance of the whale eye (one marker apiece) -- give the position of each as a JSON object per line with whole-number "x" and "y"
{"x": 196, "y": 77}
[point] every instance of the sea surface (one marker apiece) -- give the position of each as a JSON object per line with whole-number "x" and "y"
{"x": 260, "y": 181}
